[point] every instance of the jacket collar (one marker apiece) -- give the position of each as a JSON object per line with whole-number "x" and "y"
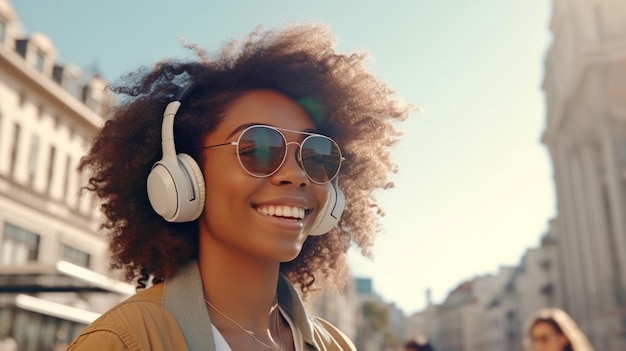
{"x": 183, "y": 294}
{"x": 182, "y": 297}
{"x": 289, "y": 300}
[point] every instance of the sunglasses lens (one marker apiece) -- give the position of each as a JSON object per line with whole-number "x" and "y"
{"x": 261, "y": 150}
{"x": 321, "y": 158}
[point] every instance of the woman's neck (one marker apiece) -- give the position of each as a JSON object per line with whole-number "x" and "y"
{"x": 238, "y": 286}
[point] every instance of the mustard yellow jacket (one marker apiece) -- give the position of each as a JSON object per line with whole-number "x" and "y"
{"x": 173, "y": 316}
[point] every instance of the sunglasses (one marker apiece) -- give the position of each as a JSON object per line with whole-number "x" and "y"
{"x": 262, "y": 150}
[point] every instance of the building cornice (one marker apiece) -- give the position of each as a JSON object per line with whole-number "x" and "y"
{"x": 605, "y": 52}
{"x": 48, "y": 87}
{"x": 593, "y": 54}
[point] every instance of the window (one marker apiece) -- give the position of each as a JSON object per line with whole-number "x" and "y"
{"x": 52, "y": 157}
{"x": 66, "y": 180}
{"x": 510, "y": 315}
{"x": 57, "y": 74}
{"x": 33, "y": 158}
{"x": 623, "y": 155}
{"x": 40, "y": 60}
{"x": 75, "y": 256}
{"x": 37, "y": 331}
{"x": 14, "y": 146}
{"x": 545, "y": 264}
{"x": 19, "y": 246}
{"x": 3, "y": 30}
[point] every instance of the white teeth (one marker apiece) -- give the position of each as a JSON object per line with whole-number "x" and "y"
{"x": 282, "y": 211}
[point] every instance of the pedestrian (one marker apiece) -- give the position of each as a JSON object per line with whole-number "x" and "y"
{"x": 552, "y": 329}
{"x": 414, "y": 345}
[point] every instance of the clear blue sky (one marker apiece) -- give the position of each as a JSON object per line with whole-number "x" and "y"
{"x": 475, "y": 186}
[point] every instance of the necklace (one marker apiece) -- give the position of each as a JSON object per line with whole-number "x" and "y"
{"x": 252, "y": 334}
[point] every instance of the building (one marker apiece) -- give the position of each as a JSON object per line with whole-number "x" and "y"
{"x": 489, "y": 312}
{"x": 492, "y": 313}
{"x": 585, "y": 71}
{"x": 537, "y": 283}
{"x": 454, "y": 327}
{"x": 519, "y": 292}
{"x": 580, "y": 264}
{"x": 53, "y": 278}
{"x": 421, "y": 325}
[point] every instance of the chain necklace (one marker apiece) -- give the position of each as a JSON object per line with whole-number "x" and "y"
{"x": 252, "y": 334}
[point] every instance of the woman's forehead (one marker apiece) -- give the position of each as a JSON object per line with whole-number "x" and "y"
{"x": 264, "y": 107}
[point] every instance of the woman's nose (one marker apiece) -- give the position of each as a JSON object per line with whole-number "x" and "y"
{"x": 291, "y": 171}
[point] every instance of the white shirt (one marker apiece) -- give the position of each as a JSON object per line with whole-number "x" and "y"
{"x": 220, "y": 342}
{"x": 222, "y": 345}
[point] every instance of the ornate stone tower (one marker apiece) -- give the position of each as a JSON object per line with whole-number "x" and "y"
{"x": 585, "y": 89}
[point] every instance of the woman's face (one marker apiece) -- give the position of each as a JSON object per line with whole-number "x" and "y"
{"x": 545, "y": 338}
{"x": 236, "y": 218}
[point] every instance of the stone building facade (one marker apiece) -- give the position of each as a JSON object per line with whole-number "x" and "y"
{"x": 585, "y": 89}
{"x": 53, "y": 278}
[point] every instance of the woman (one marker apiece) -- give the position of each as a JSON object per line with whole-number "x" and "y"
{"x": 553, "y": 330}
{"x": 260, "y": 150}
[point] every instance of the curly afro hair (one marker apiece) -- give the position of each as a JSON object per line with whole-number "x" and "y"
{"x": 344, "y": 100}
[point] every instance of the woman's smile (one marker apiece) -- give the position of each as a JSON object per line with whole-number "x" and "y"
{"x": 282, "y": 211}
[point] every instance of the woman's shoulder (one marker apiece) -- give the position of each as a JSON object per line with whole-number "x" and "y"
{"x": 132, "y": 324}
{"x": 332, "y": 338}
{"x": 135, "y": 308}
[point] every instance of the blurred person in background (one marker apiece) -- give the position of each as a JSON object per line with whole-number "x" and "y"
{"x": 414, "y": 345}
{"x": 552, "y": 329}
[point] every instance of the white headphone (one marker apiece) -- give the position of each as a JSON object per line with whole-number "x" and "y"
{"x": 176, "y": 188}
{"x": 175, "y": 183}
{"x": 332, "y": 211}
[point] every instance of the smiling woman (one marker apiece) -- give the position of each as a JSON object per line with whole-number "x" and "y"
{"x": 237, "y": 182}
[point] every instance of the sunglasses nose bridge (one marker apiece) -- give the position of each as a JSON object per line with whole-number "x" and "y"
{"x": 297, "y": 158}
{"x": 296, "y": 153}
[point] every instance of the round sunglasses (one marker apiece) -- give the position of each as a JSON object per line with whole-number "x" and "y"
{"x": 262, "y": 150}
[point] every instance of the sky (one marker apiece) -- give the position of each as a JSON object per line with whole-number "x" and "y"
{"x": 474, "y": 189}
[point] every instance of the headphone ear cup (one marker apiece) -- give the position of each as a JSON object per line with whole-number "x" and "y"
{"x": 332, "y": 212}
{"x": 176, "y": 189}
{"x": 192, "y": 209}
